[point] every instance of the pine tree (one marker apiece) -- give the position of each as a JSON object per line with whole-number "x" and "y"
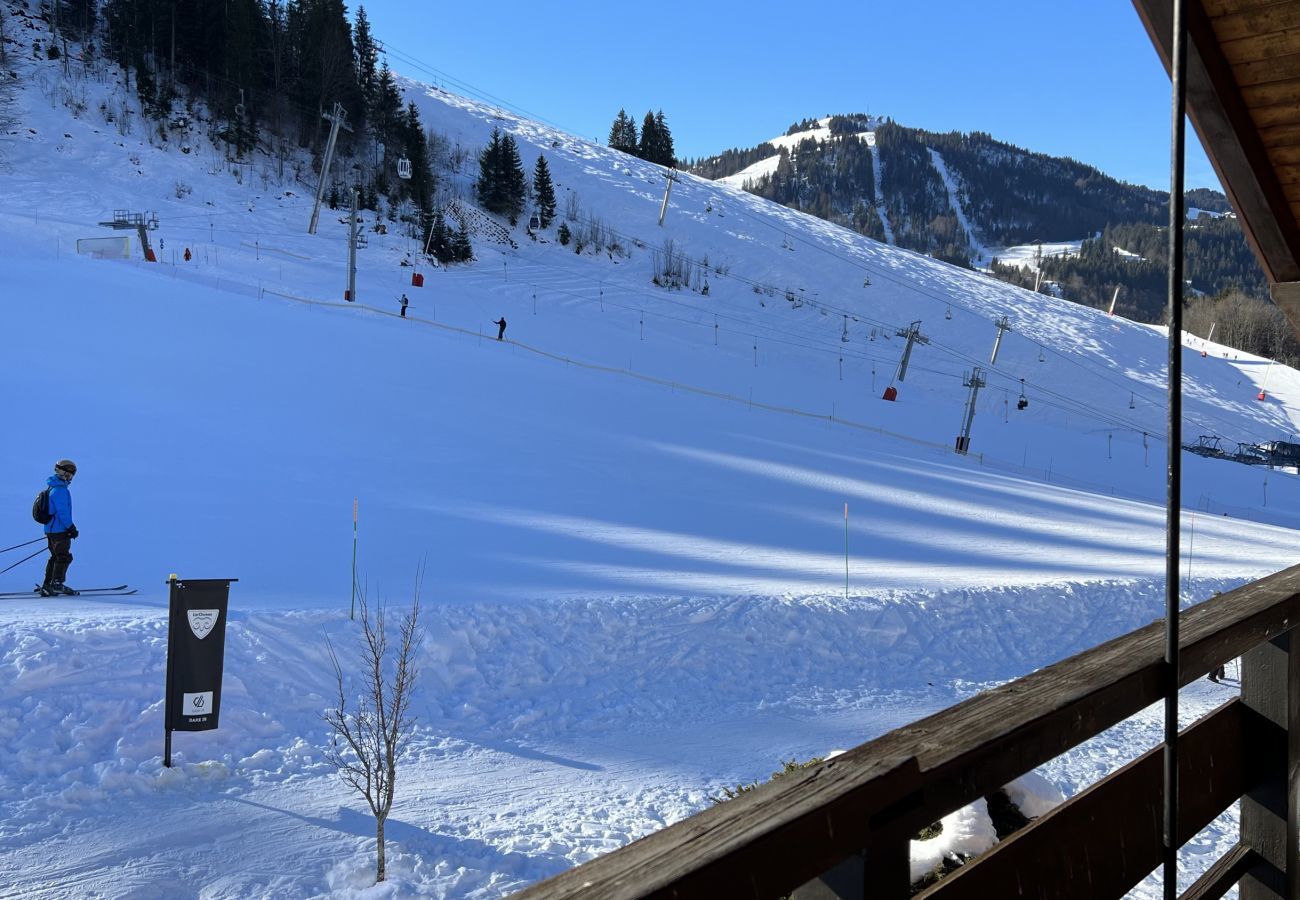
{"x": 326, "y": 72}
{"x": 514, "y": 177}
{"x": 420, "y": 186}
{"x": 622, "y": 135}
{"x": 666, "y": 155}
{"x": 461, "y": 249}
{"x": 440, "y": 240}
{"x": 76, "y": 18}
{"x": 544, "y": 191}
{"x": 650, "y": 147}
{"x": 487, "y": 188}
{"x": 367, "y": 60}
{"x": 501, "y": 183}
{"x": 387, "y": 109}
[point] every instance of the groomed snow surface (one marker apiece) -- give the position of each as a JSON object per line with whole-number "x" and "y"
{"x": 629, "y": 514}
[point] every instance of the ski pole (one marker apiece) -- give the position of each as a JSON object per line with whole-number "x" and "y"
{"x": 16, "y": 546}
{"x": 24, "y": 559}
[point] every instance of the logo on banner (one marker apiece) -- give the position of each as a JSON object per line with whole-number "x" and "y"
{"x": 198, "y": 704}
{"x": 202, "y": 621}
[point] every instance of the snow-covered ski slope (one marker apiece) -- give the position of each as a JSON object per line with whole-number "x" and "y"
{"x": 629, "y": 514}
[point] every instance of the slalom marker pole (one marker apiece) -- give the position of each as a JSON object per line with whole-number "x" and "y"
{"x": 846, "y": 550}
{"x": 353, "y": 613}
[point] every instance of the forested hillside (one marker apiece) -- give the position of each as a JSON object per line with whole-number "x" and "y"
{"x": 267, "y": 79}
{"x": 1009, "y": 196}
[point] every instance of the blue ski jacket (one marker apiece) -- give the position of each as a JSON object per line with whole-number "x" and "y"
{"x": 60, "y": 505}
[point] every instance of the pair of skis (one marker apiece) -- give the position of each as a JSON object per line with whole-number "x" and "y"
{"x": 117, "y": 590}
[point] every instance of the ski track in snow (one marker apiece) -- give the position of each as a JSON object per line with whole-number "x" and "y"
{"x": 548, "y": 732}
{"x": 982, "y": 256}
{"x": 880, "y": 193}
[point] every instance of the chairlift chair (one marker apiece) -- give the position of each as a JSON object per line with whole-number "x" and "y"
{"x": 948, "y": 314}
{"x": 404, "y": 168}
{"x": 1041, "y": 356}
{"x": 1023, "y": 401}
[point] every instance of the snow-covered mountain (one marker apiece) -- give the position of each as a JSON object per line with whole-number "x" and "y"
{"x": 641, "y": 579}
{"x": 971, "y": 199}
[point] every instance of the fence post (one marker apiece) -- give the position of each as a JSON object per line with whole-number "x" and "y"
{"x": 885, "y": 871}
{"x": 1270, "y": 685}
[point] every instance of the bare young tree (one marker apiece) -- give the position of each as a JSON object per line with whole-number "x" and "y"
{"x": 372, "y": 730}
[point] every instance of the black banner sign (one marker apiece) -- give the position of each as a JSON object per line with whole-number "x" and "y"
{"x": 196, "y": 646}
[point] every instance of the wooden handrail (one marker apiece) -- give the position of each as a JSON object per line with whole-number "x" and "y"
{"x": 1220, "y": 757}
{"x": 769, "y": 841}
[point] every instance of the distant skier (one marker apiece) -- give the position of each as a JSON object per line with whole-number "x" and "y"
{"x": 188, "y": 256}
{"x": 501, "y": 328}
{"x": 404, "y": 302}
{"x": 60, "y": 530}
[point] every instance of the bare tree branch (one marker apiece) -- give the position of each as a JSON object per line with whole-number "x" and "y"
{"x": 369, "y": 740}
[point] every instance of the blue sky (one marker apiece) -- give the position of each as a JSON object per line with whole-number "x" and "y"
{"x": 1067, "y": 78}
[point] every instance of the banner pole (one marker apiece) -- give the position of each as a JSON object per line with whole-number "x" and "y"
{"x": 171, "y": 653}
{"x": 353, "y": 613}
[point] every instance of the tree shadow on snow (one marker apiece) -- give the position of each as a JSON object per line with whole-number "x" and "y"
{"x": 431, "y": 845}
{"x": 523, "y": 752}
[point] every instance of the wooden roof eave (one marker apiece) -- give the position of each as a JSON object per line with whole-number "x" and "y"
{"x": 1231, "y": 141}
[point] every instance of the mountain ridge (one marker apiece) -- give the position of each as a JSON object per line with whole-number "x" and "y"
{"x": 954, "y": 195}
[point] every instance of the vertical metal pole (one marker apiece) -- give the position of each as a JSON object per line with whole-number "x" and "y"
{"x": 353, "y": 613}
{"x": 171, "y": 666}
{"x": 975, "y": 383}
{"x": 907, "y": 355}
{"x": 1178, "y": 72}
{"x": 668, "y": 189}
{"x": 1004, "y": 325}
{"x": 846, "y": 550}
{"x": 336, "y": 119}
{"x": 352, "y": 248}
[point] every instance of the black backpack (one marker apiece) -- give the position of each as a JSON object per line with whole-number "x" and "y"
{"x": 41, "y": 508}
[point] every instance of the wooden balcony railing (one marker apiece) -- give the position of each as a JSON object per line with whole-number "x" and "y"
{"x": 841, "y": 829}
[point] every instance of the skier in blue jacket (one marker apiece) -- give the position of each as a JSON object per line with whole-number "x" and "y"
{"x": 60, "y": 530}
